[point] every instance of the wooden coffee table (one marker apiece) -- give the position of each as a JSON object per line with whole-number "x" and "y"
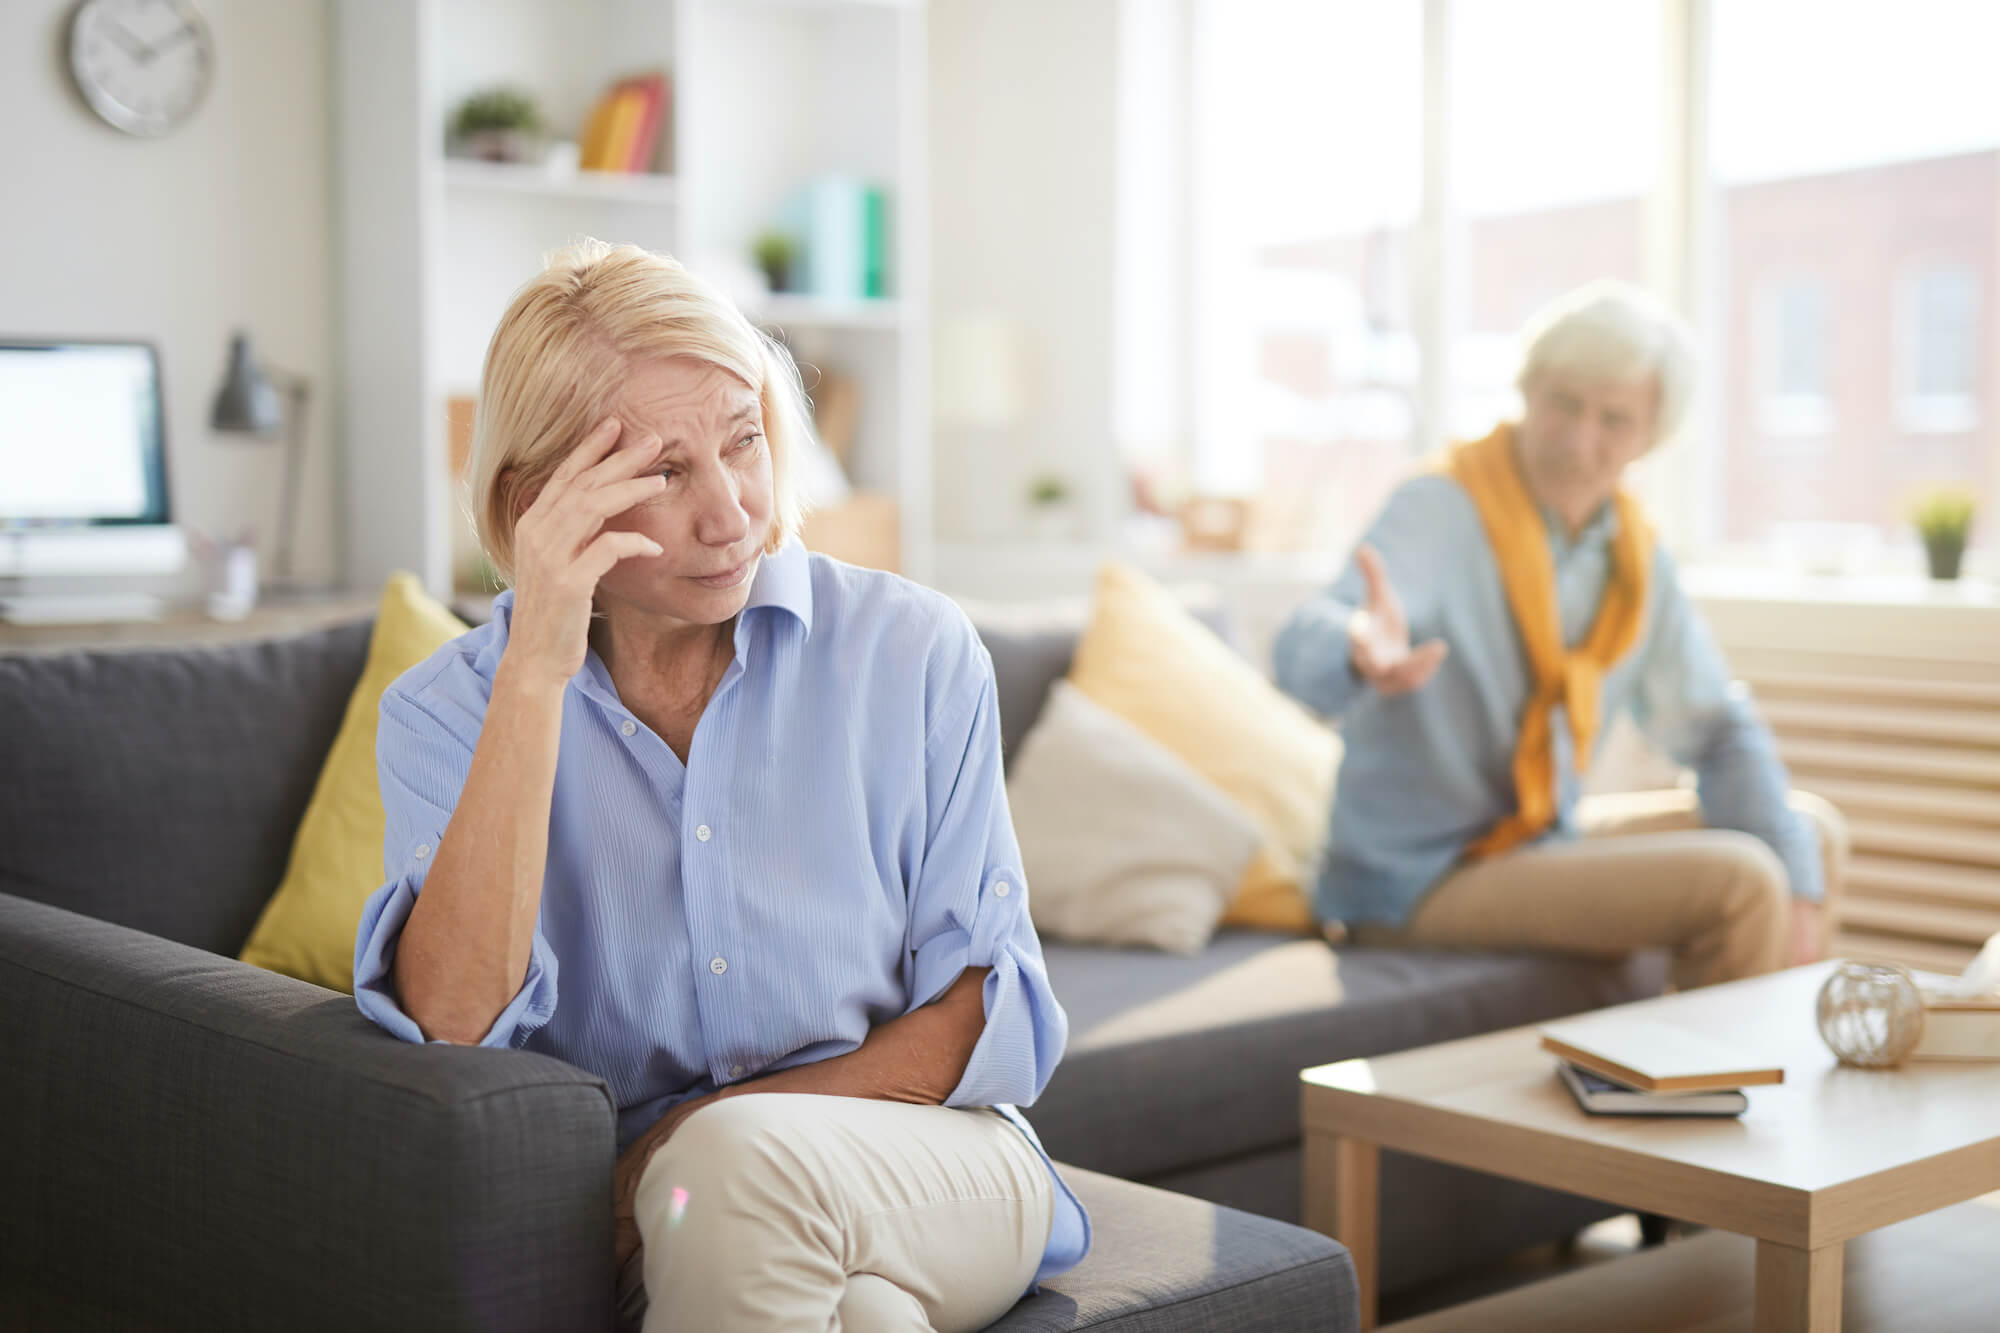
{"x": 1831, "y": 1154}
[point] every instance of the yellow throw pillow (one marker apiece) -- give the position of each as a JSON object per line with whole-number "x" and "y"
{"x": 308, "y": 928}
{"x": 1146, "y": 659}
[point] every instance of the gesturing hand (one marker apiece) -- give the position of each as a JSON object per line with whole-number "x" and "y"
{"x": 561, "y": 551}
{"x": 1379, "y": 636}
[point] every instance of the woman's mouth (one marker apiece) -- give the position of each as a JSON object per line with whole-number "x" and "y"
{"x": 728, "y": 578}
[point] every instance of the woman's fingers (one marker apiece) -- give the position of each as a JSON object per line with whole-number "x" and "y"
{"x": 577, "y": 519}
{"x": 609, "y": 548}
{"x": 589, "y": 451}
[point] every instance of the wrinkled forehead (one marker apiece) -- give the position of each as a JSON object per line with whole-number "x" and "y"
{"x": 1635, "y": 389}
{"x": 681, "y": 397}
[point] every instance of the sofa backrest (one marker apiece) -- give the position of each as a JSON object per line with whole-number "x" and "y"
{"x": 160, "y": 789}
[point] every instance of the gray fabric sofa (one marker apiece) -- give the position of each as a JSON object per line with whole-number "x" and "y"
{"x": 192, "y": 1143}
{"x": 1183, "y": 1072}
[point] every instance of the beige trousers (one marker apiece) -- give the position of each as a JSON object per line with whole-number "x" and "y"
{"x": 1644, "y": 875}
{"x": 786, "y": 1211}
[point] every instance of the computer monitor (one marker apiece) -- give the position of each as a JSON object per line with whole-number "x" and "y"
{"x": 83, "y": 460}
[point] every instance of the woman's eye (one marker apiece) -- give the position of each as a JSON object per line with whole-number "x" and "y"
{"x": 748, "y": 441}
{"x": 670, "y": 472}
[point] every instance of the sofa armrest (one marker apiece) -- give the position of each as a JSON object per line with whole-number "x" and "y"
{"x": 191, "y": 1142}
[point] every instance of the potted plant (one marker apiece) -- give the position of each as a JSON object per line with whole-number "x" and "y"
{"x": 775, "y": 253}
{"x": 498, "y": 125}
{"x": 1049, "y": 507}
{"x": 1943, "y": 518}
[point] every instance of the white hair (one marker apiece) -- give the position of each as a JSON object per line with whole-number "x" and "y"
{"x": 1614, "y": 332}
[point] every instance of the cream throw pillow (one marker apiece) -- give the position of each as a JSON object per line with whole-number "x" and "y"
{"x": 1121, "y": 842}
{"x": 1150, "y": 662}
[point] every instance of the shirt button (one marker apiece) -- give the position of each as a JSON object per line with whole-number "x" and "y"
{"x": 718, "y": 965}
{"x": 736, "y": 1071}
{"x": 423, "y": 850}
{"x": 702, "y": 833}
{"x": 628, "y": 726}
{"x": 1002, "y": 889}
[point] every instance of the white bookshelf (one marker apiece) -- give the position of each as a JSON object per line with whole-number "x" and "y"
{"x": 765, "y": 95}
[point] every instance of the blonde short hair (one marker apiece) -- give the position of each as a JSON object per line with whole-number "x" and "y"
{"x": 1613, "y": 331}
{"x": 563, "y": 350}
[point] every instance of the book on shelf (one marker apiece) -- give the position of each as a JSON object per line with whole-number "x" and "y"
{"x": 842, "y": 227}
{"x": 1603, "y": 1096}
{"x": 1652, "y": 1056}
{"x": 623, "y": 130}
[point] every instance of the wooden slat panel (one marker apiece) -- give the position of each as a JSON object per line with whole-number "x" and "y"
{"x": 1942, "y": 805}
{"x": 1969, "y": 768}
{"x": 1895, "y": 877}
{"x": 1965, "y": 925}
{"x": 1976, "y": 696}
{"x": 1866, "y": 946}
{"x": 1832, "y": 717}
{"x": 1922, "y": 842}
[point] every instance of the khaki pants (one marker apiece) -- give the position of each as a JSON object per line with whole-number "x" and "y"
{"x": 791, "y": 1211}
{"x": 1645, "y": 874}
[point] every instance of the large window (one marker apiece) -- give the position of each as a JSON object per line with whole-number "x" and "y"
{"x": 1551, "y": 157}
{"x": 1308, "y": 134}
{"x": 1384, "y": 192}
{"x": 1855, "y": 234}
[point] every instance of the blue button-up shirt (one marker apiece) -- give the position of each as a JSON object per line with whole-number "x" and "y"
{"x": 836, "y": 852}
{"x": 1427, "y": 773}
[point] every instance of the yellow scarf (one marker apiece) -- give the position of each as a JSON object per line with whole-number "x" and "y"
{"x": 1517, "y": 534}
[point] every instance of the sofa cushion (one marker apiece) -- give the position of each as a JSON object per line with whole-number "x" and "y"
{"x": 1032, "y": 645}
{"x": 1162, "y": 1263}
{"x": 308, "y": 927}
{"x": 160, "y": 788}
{"x": 1144, "y": 658}
{"x": 1121, "y": 842}
{"x": 1178, "y": 1061}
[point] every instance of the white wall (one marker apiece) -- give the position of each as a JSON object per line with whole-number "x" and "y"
{"x": 181, "y": 239}
{"x": 1023, "y": 134}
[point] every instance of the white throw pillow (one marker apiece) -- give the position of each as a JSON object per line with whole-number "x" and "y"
{"x": 1121, "y": 840}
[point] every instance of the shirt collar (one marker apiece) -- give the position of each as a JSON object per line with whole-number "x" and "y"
{"x": 1598, "y": 530}
{"x": 784, "y": 581}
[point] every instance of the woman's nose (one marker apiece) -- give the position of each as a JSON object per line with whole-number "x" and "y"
{"x": 719, "y": 519}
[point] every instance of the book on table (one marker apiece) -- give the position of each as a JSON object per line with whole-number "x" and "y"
{"x": 1958, "y": 1024}
{"x": 1602, "y": 1096}
{"x": 1646, "y": 1055}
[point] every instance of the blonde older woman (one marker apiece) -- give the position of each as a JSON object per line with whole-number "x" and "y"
{"x": 1502, "y": 611}
{"x": 722, "y": 822}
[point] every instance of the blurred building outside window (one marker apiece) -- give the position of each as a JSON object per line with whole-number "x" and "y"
{"x": 1393, "y": 188}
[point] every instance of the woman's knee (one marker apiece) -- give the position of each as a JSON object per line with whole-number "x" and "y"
{"x": 739, "y": 1145}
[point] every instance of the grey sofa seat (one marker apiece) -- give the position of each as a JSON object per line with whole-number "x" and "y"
{"x": 1180, "y": 1060}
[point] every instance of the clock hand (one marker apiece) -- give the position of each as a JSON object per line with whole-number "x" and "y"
{"x": 179, "y": 34}
{"x": 135, "y": 48}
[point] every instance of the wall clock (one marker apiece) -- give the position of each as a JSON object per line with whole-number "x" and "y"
{"x": 143, "y": 65}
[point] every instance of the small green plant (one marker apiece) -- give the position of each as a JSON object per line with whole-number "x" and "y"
{"x": 1943, "y": 518}
{"x": 1047, "y": 490}
{"x": 775, "y": 253}
{"x": 496, "y": 109}
{"x": 1944, "y": 514}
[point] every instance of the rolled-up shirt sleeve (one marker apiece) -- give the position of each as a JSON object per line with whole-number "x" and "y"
{"x": 969, "y": 904}
{"x": 421, "y": 765}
